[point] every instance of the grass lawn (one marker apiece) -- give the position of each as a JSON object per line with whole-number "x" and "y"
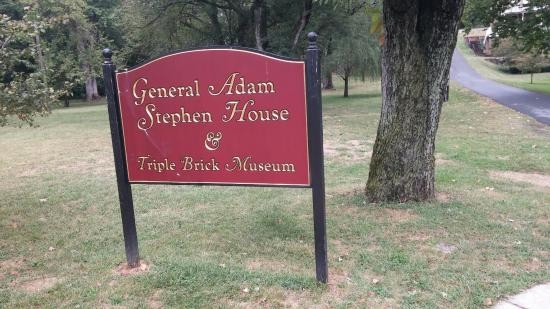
{"x": 541, "y": 81}
{"x": 485, "y": 237}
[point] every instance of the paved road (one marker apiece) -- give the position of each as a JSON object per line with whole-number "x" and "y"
{"x": 530, "y": 103}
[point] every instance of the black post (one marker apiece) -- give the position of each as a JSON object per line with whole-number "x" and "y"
{"x": 316, "y": 161}
{"x": 124, "y": 188}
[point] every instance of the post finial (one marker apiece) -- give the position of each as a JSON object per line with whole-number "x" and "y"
{"x": 312, "y": 40}
{"x": 107, "y": 54}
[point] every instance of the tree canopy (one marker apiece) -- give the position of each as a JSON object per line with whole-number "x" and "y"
{"x": 50, "y": 49}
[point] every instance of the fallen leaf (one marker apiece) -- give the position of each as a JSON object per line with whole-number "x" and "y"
{"x": 488, "y": 302}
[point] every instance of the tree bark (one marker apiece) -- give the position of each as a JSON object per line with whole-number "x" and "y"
{"x": 260, "y": 23}
{"x": 346, "y": 86}
{"x": 212, "y": 12}
{"x": 302, "y": 22}
{"x": 420, "y": 37}
{"x": 328, "y": 84}
{"x": 91, "y": 89}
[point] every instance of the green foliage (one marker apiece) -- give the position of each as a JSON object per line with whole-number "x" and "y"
{"x": 24, "y": 90}
{"x": 530, "y": 27}
{"x": 357, "y": 52}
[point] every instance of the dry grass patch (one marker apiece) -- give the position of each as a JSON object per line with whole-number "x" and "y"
{"x": 400, "y": 215}
{"x": 272, "y": 265}
{"x": 352, "y": 150}
{"x": 536, "y": 179}
{"x": 154, "y": 301}
{"x": 39, "y": 285}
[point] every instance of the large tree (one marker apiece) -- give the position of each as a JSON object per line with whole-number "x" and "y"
{"x": 419, "y": 39}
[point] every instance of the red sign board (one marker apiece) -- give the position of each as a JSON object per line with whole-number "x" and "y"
{"x": 216, "y": 116}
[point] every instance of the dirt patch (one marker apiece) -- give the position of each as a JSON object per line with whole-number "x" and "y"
{"x": 534, "y": 264}
{"x": 442, "y": 197}
{"x": 440, "y": 160}
{"x": 494, "y": 194}
{"x": 270, "y": 265}
{"x": 293, "y": 299}
{"x": 341, "y": 249}
{"x": 352, "y": 150}
{"x": 124, "y": 270}
{"x": 154, "y": 301}
{"x": 262, "y": 303}
{"x": 337, "y": 281}
{"x": 400, "y": 215}
{"x": 417, "y": 236}
{"x": 445, "y": 248}
{"x": 539, "y": 180}
{"x": 38, "y": 285}
{"x": 11, "y": 265}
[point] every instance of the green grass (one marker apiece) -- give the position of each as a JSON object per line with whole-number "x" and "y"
{"x": 541, "y": 81}
{"x": 59, "y": 219}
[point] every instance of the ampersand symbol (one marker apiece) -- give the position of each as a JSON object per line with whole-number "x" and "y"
{"x": 212, "y": 141}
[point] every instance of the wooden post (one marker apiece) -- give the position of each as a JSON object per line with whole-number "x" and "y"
{"x": 316, "y": 160}
{"x": 124, "y": 188}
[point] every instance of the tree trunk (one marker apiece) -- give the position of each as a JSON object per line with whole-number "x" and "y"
{"x": 420, "y": 37}
{"x": 302, "y": 22}
{"x": 531, "y": 77}
{"x": 213, "y": 12}
{"x": 328, "y": 84}
{"x": 260, "y": 23}
{"x": 91, "y": 87}
{"x": 40, "y": 53}
{"x": 346, "y": 86}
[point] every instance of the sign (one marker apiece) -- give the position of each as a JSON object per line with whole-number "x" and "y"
{"x": 219, "y": 116}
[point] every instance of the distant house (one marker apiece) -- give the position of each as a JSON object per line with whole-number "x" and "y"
{"x": 479, "y": 40}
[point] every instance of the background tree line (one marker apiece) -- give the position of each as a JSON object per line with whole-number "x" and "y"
{"x": 51, "y": 49}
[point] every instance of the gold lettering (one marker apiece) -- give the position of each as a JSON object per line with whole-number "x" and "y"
{"x": 141, "y": 96}
{"x": 284, "y": 114}
{"x": 180, "y": 91}
{"x": 251, "y": 88}
{"x": 263, "y": 87}
{"x": 143, "y": 123}
{"x": 141, "y": 161}
{"x": 189, "y": 92}
{"x": 196, "y": 81}
{"x": 239, "y": 89}
{"x": 232, "y": 105}
{"x": 152, "y": 91}
{"x": 247, "y": 165}
{"x": 162, "y": 92}
{"x": 172, "y": 91}
{"x": 228, "y": 83}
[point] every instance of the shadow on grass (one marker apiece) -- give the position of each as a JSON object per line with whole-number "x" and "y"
{"x": 79, "y": 104}
{"x": 275, "y": 223}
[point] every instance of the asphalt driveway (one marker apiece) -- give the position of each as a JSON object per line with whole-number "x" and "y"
{"x": 529, "y": 103}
